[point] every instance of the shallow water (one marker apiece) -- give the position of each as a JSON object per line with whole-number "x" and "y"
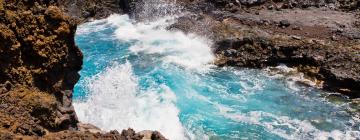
{"x": 142, "y": 76}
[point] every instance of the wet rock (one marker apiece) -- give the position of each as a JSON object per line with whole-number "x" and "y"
{"x": 243, "y": 39}
{"x": 157, "y": 136}
{"x": 229, "y": 53}
{"x": 93, "y": 129}
{"x": 340, "y": 71}
{"x": 355, "y": 105}
{"x": 337, "y": 99}
{"x": 131, "y": 135}
{"x": 151, "y": 135}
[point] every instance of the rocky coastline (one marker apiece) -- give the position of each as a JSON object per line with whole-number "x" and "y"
{"x": 319, "y": 38}
{"x": 39, "y": 60}
{"x": 86, "y": 10}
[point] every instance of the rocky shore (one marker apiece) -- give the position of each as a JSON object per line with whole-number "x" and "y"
{"x": 39, "y": 61}
{"x": 39, "y": 65}
{"x": 319, "y": 38}
{"x": 85, "y": 10}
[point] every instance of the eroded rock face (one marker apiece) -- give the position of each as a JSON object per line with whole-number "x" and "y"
{"x": 85, "y": 10}
{"x": 338, "y": 65}
{"x": 39, "y": 67}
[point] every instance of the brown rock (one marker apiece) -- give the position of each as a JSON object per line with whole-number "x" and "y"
{"x": 39, "y": 64}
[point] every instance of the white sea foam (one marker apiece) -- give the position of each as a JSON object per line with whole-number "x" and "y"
{"x": 291, "y": 75}
{"x": 175, "y": 47}
{"x": 279, "y": 125}
{"x": 91, "y": 27}
{"x": 114, "y": 99}
{"x": 151, "y": 10}
{"x": 115, "y": 102}
{"x": 250, "y": 84}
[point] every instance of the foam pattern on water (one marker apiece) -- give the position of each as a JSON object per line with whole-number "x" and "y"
{"x": 116, "y": 102}
{"x": 142, "y": 76}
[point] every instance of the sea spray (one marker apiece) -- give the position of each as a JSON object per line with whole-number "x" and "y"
{"x": 139, "y": 75}
{"x": 116, "y": 102}
{"x": 292, "y": 76}
{"x": 188, "y": 50}
{"x": 128, "y": 81}
{"x": 152, "y": 10}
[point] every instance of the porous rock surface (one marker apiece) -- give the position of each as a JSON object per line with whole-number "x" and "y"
{"x": 39, "y": 67}
{"x": 85, "y": 10}
{"x": 39, "y": 64}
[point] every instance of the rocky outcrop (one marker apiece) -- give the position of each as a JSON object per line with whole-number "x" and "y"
{"x": 39, "y": 67}
{"x": 322, "y": 43}
{"x": 39, "y": 61}
{"x": 39, "y": 64}
{"x": 319, "y": 38}
{"x": 279, "y": 4}
{"x": 85, "y": 10}
{"x": 336, "y": 65}
{"x": 128, "y": 134}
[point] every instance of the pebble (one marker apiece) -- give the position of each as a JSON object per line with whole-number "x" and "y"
{"x": 284, "y": 23}
{"x": 296, "y": 27}
{"x": 296, "y": 37}
{"x": 334, "y": 38}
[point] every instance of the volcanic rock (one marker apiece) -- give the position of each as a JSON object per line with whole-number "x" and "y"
{"x": 39, "y": 65}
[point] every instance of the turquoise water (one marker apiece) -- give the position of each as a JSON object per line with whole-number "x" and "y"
{"x": 142, "y": 76}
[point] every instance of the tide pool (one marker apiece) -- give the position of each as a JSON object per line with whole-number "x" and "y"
{"x": 142, "y": 76}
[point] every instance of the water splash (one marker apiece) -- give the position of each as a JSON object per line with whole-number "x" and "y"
{"x": 188, "y": 50}
{"x": 116, "y": 102}
{"x": 152, "y": 10}
{"x": 120, "y": 102}
{"x": 142, "y": 76}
